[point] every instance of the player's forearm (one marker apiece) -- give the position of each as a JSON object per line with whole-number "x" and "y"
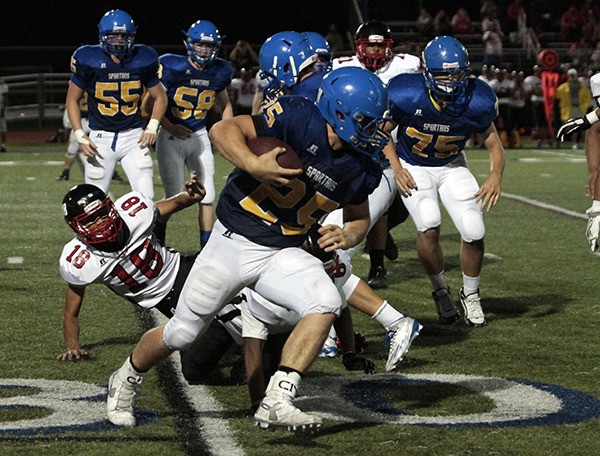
{"x": 229, "y": 139}
{"x": 71, "y": 333}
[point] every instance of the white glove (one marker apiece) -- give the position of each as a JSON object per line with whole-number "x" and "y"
{"x": 593, "y": 229}
{"x": 578, "y": 124}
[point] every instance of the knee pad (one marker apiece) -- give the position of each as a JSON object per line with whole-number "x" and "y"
{"x": 181, "y": 332}
{"x": 472, "y": 227}
{"x": 205, "y": 291}
{"x": 429, "y": 214}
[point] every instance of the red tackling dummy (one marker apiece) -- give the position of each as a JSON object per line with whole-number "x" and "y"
{"x": 263, "y": 144}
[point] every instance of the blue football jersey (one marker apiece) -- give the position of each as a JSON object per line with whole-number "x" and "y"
{"x": 192, "y": 92}
{"x": 114, "y": 89}
{"x": 281, "y": 216}
{"x": 428, "y": 135}
{"x": 308, "y": 87}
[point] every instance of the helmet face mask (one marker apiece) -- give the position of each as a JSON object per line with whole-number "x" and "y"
{"x": 446, "y": 67}
{"x": 94, "y": 217}
{"x": 374, "y": 43}
{"x": 203, "y": 42}
{"x": 116, "y": 33}
{"x": 354, "y": 103}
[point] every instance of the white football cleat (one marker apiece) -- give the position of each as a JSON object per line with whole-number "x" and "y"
{"x": 121, "y": 397}
{"x": 285, "y": 414}
{"x": 276, "y": 408}
{"x": 472, "y": 311}
{"x": 401, "y": 337}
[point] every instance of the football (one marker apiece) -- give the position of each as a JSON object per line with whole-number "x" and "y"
{"x": 263, "y": 144}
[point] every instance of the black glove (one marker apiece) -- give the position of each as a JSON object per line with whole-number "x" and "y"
{"x": 573, "y": 126}
{"x": 353, "y": 362}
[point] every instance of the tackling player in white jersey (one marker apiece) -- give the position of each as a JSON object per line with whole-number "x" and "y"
{"x": 115, "y": 247}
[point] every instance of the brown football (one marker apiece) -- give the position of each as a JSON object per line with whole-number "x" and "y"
{"x": 263, "y": 144}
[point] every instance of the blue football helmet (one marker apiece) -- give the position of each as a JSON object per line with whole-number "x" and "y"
{"x": 204, "y": 32}
{"x": 283, "y": 56}
{"x": 323, "y": 51}
{"x": 446, "y": 67}
{"x": 354, "y": 102}
{"x": 121, "y": 27}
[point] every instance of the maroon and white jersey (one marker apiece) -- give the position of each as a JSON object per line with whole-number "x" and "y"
{"x": 400, "y": 63}
{"x": 143, "y": 272}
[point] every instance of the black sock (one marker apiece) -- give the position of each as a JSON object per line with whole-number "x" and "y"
{"x": 376, "y": 257}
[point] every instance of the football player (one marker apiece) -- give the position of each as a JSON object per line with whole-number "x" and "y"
{"x": 115, "y": 246}
{"x": 263, "y": 218}
{"x": 114, "y": 74}
{"x": 374, "y": 51}
{"x": 592, "y": 152}
{"x": 436, "y": 112}
{"x": 193, "y": 83}
{"x": 278, "y": 57}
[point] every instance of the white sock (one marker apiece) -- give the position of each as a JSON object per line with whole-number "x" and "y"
{"x": 470, "y": 285}
{"x": 128, "y": 373}
{"x": 387, "y": 316}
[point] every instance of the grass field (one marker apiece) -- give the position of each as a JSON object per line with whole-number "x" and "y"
{"x": 526, "y": 384}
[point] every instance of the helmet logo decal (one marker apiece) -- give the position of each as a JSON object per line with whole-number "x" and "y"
{"x": 447, "y": 65}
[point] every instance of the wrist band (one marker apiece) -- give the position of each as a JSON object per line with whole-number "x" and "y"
{"x": 152, "y": 126}
{"x": 79, "y": 134}
{"x": 592, "y": 117}
{"x": 595, "y": 206}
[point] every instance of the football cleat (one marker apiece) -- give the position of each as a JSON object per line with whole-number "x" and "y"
{"x": 282, "y": 413}
{"x": 64, "y": 176}
{"x": 329, "y": 349}
{"x": 401, "y": 337}
{"x": 121, "y": 397}
{"x": 445, "y": 306}
{"x": 377, "y": 278}
{"x": 472, "y": 311}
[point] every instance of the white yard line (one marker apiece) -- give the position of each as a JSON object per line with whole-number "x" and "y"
{"x": 215, "y": 430}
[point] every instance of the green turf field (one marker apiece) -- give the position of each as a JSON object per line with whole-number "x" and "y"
{"x": 526, "y": 384}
